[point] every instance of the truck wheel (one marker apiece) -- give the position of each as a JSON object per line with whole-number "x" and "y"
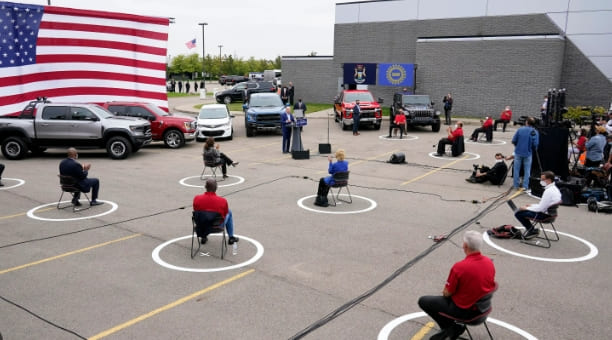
{"x": 435, "y": 127}
{"x": 249, "y": 132}
{"x": 231, "y": 136}
{"x": 14, "y": 148}
{"x": 377, "y": 126}
{"x": 344, "y": 127}
{"x": 118, "y": 147}
{"x": 174, "y": 139}
{"x": 227, "y": 100}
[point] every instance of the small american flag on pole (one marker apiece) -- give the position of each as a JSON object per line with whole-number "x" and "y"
{"x": 68, "y": 54}
{"x": 191, "y": 44}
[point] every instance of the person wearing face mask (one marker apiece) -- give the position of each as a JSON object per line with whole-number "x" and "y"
{"x": 551, "y": 196}
{"x": 495, "y": 174}
{"x": 450, "y": 138}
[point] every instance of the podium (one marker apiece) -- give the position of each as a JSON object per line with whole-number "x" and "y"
{"x": 297, "y": 148}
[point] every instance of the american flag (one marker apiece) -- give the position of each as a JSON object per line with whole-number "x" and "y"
{"x": 190, "y": 44}
{"x": 74, "y": 55}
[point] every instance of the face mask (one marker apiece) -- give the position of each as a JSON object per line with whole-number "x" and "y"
{"x": 543, "y": 183}
{"x": 456, "y": 126}
{"x": 498, "y": 160}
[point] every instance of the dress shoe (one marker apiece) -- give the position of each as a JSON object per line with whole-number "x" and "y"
{"x": 94, "y": 202}
{"x": 441, "y": 335}
{"x": 232, "y": 240}
{"x": 235, "y": 164}
{"x": 1, "y": 185}
{"x": 76, "y": 202}
{"x": 224, "y": 176}
{"x": 455, "y": 331}
{"x": 203, "y": 240}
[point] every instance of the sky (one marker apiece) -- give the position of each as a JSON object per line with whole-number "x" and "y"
{"x": 246, "y": 28}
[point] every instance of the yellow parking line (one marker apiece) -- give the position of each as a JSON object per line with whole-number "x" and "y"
{"x": 423, "y": 331}
{"x": 434, "y": 170}
{"x": 21, "y": 214}
{"x": 518, "y": 192}
{"x": 66, "y": 254}
{"x": 168, "y": 306}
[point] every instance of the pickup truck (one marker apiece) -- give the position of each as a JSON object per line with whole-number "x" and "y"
{"x": 263, "y": 112}
{"x": 43, "y": 124}
{"x": 418, "y": 109}
{"x": 371, "y": 113}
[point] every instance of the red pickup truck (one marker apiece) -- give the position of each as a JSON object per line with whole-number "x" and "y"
{"x": 371, "y": 113}
{"x": 173, "y": 130}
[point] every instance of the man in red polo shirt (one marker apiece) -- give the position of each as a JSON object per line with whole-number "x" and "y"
{"x": 485, "y": 125}
{"x": 452, "y": 135}
{"x": 468, "y": 281}
{"x": 209, "y": 201}
{"x": 504, "y": 118}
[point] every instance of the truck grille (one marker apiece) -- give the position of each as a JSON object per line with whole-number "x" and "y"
{"x": 272, "y": 118}
{"x": 367, "y": 114}
{"x": 421, "y": 114}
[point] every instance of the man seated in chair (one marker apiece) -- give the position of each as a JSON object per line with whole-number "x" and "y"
{"x": 468, "y": 281}
{"x": 450, "y": 138}
{"x": 209, "y": 201}
{"x": 495, "y": 174}
{"x": 484, "y": 127}
{"x": 71, "y": 167}
{"x": 550, "y": 197}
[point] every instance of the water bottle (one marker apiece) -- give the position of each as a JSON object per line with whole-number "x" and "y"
{"x": 235, "y": 248}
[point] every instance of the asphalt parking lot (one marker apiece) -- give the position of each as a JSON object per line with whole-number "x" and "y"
{"x": 122, "y": 270}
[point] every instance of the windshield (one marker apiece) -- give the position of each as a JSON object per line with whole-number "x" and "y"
{"x": 212, "y": 113}
{"x": 416, "y": 100}
{"x": 362, "y": 96}
{"x": 273, "y": 101}
{"x": 101, "y": 112}
{"x": 157, "y": 110}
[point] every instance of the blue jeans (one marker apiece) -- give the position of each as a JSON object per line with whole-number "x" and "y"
{"x": 229, "y": 223}
{"x": 525, "y": 162}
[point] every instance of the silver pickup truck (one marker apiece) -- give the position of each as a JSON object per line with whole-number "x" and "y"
{"x": 43, "y": 124}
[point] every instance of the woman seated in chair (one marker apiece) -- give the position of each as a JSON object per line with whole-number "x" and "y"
{"x": 212, "y": 150}
{"x": 325, "y": 182}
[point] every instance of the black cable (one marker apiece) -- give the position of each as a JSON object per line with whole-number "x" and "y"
{"x": 43, "y": 319}
{"x": 347, "y": 306}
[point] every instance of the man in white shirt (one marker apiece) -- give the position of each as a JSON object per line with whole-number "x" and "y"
{"x": 551, "y": 196}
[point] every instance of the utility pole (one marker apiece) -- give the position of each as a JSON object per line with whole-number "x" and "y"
{"x": 220, "y": 61}
{"x": 203, "y": 24}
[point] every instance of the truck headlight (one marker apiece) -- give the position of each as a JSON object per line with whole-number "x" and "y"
{"x": 437, "y": 113}
{"x": 137, "y": 129}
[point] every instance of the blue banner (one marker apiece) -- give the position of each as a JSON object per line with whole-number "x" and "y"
{"x": 396, "y": 75}
{"x": 360, "y": 74}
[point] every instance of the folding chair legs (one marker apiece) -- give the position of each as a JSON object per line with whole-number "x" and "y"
{"x": 467, "y": 329}
{"x": 337, "y": 196}
{"x": 213, "y": 170}
{"x": 74, "y": 208}
{"x": 195, "y": 238}
{"x": 545, "y": 244}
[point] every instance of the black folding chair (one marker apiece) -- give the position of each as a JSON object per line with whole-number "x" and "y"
{"x": 541, "y": 219}
{"x": 484, "y": 307}
{"x": 204, "y": 223}
{"x": 340, "y": 181}
{"x": 210, "y": 162}
{"x": 69, "y": 184}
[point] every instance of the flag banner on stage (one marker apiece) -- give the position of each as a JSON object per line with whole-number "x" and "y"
{"x": 360, "y": 74}
{"x": 191, "y": 44}
{"x": 74, "y": 55}
{"x": 396, "y": 75}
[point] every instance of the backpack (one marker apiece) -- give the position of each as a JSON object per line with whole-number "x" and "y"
{"x": 397, "y": 158}
{"x": 505, "y": 231}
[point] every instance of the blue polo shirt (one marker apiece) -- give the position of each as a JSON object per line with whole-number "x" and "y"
{"x": 525, "y": 140}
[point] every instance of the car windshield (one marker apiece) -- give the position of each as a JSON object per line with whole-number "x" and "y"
{"x": 416, "y": 100}
{"x": 157, "y": 110}
{"x": 101, "y": 112}
{"x": 212, "y": 113}
{"x": 273, "y": 101}
{"x": 362, "y": 96}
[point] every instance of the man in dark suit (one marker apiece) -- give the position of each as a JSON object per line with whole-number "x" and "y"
{"x": 291, "y": 90}
{"x": 284, "y": 94}
{"x": 300, "y": 106}
{"x": 356, "y": 116}
{"x": 286, "y": 121}
{"x": 70, "y": 167}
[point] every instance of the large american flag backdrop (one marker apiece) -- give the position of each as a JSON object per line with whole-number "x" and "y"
{"x": 76, "y": 55}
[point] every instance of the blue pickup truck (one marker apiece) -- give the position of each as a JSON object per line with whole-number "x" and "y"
{"x": 263, "y": 113}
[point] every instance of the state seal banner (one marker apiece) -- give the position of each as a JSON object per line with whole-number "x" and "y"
{"x": 360, "y": 73}
{"x": 396, "y": 75}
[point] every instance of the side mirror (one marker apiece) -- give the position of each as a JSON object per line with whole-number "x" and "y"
{"x": 432, "y": 103}
{"x": 380, "y": 100}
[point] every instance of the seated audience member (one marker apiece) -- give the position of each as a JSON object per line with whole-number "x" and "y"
{"x": 209, "y": 201}
{"x": 70, "y": 167}
{"x": 608, "y": 125}
{"x": 469, "y": 280}
{"x": 1, "y": 171}
{"x": 485, "y": 125}
{"x": 326, "y": 182}
{"x": 494, "y": 174}
{"x": 212, "y": 150}
{"x": 400, "y": 123}
{"x": 578, "y": 146}
{"x": 594, "y": 148}
{"x": 450, "y": 138}
{"x": 550, "y": 197}
{"x": 504, "y": 118}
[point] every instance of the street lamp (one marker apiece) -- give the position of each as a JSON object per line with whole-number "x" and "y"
{"x": 203, "y": 24}
{"x": 220, "y": 62}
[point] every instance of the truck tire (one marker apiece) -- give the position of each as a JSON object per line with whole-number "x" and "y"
{"x": 174, "y": 139}
{"x": 227, "y": 100}
{"x": 344, "y": 127}
{"x": 249, "y": 132}
{"x": 118, "y": 147}
{"x": 14, "y": 148}
{"x": 231, "y": 136}
{"x": 377, "y": 126}
{"x": 435, "y": 127}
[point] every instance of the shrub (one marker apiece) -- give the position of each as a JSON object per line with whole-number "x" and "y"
{"x": 575, "y": 112}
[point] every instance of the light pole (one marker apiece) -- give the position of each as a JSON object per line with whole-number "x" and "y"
{"x": 220, "y": 61}
{"x": 203, "y": 24}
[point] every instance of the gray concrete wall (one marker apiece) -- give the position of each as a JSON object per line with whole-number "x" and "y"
{"x": 312, "y": 77}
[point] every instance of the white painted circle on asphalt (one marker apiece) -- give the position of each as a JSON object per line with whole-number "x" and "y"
{"x": 219, "y": 183}
{"x": 158, "y": 260}
{"x": 31, "y": 212}
{"x": 20, "y": 182}
{"x": 592, "y": 249}
{"x": 327, "y": 210}
{"x": 473, "y": 156}
{"x": 493, "y": 142}
{"x": 389, "y": 327}
{"x": 406, "y": 137}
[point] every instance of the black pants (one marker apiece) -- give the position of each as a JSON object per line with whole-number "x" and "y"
{"x": 442, "y": 144}
{"x": 433, "y": 305}
{"x": 485, "y": 177}
{"x": 447, "y": 115}
{"x": 1, "y": 170}
{"x": 476, "y": 132}
{"x": 94, "y": 183}
{"x": 497, "y": 121}
{"x": 323, "y": 189}
{"x": 225, "y": 161}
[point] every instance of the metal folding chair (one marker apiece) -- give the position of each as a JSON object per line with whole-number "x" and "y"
{"x": 484, "y": 306}
{"x": 69, "y": 184}
{"x": 340, "y": 181}
{"x": 205, "y": 223}
{"x": 210, "y": 162}
{"x": 541, "y": 219}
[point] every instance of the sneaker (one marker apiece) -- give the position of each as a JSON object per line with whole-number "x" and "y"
{"x": 232, "y": 240}
{"x": 76, "y": 202}
{"x": 93, "y": 203}
{"x": 224, "y": 176}
{"x": 439, "y": 154}
{"x": 531, "y": 233}
{"x": 471, "y": 180}
{"x": 235, "y": 164}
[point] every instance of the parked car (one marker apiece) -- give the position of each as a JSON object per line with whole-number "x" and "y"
{"x": 371, "y": 113}
{"x": 263, "y": 112}
{"x": 214, "y": 120}
{"x": 232, "y": 80}
{"x": 236, "y": 93}
{"x": 419, "y": 110}
{"x": 173, "y": 130}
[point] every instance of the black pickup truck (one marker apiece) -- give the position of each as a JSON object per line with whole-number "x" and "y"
{"x": 418, "y": 109}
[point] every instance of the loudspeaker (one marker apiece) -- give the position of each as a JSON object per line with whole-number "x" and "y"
{"x": 305, "y": 154}
{"x": 552, "y": 152}
{"x": 324, "y": 148}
